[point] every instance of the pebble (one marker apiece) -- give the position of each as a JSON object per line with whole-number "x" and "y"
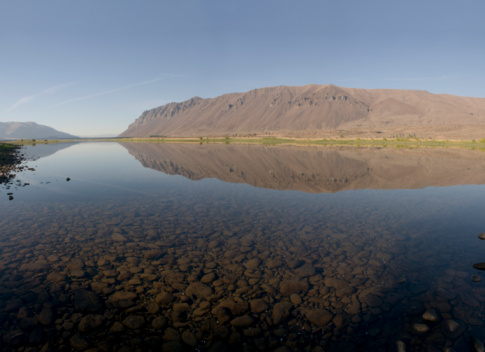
{"x": 134, "y": 322}
{"x": 118, "y": 237}
{"x": 243, "y": 321}
{"x": 164, "y": 298}
{"x": 420, "y": 328}
{"x": 258, "y": 306}
{"x": 281, "y": 311}
{"x": 400, "y": 346}
{"x": 87, "y": 301}
{"x": 78, "y": 343}
{"x": 481, "y": 236}
{"x": 319, "y": 317}
{"x": 476, "y": 345}
{"x": 372, "y": 300}
{"x": 189, "y": 338}
{"x": 46, "y": 316}
{"x": 295, "y": 299}
{"x": 452, "y": 325}
{"x": 123, "y": 299}
{"x": 430, "y": 315}
{"x": 198, "y": 291}
{"x": 117, "y": 327}
{"x": 159, "y": 323}
{"x": 91, "y": 322}
{"x": 289, "y": 287}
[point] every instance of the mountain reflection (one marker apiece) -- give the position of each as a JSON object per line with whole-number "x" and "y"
{"x": 315, "y": 169}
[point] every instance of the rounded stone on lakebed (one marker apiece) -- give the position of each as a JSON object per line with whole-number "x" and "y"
{"x": 482, "y": 236}
{"x": 134, "y": 322}
{"x": 288, "y": 287}
{"x": 281, "y": 311}
{"x": 243, "y": 321}
{"x": 420, "y": 328}
{"x": 430, "y": 315}
{"x": 198, "y": 290}
{"x": 258, "y": 305}
{"x": 319, "y": 317}
{"x": 123, "y": 299}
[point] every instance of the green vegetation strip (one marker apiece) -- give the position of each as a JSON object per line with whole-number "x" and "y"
{"x": 403, "y": 142}
{"x": 372, "y": 142}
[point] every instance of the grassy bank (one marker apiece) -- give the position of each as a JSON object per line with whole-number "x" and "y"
{"x": 398, "y": 142}
{"x": 384, "y": 142}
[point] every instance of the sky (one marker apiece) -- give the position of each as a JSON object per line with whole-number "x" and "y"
{"x": 90, "y": 68}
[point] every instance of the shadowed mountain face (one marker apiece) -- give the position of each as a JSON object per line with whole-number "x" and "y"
{"x": 30, "y": 130}
{"x": 314, "y": 169}
{"x": 314, "y": 110}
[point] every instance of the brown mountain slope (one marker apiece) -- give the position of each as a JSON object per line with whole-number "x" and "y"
{"x": 315, "y": 111}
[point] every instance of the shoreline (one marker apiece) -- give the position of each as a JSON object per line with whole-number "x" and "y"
{"x": 398, "y": 142}
{"x": 10, "y": 158}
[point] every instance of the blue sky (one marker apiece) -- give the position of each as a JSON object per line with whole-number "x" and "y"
{"x": 92, "y": 67}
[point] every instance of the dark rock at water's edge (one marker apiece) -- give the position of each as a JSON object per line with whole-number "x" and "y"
{"x": 9, "y": 160}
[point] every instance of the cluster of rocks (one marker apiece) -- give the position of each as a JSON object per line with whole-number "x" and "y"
{"x": 10, "y": 160}
{"x": 104, "y": 278}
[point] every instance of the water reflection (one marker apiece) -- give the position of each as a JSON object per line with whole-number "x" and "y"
{"x": 315, "y": 169}
{"x": 165, "y": 263}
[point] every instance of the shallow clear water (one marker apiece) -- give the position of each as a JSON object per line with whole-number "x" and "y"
{"x": 227, "y": 265}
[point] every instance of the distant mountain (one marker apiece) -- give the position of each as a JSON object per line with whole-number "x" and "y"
{"x": 317, "y": 111}
{"x": 30, "y": 130}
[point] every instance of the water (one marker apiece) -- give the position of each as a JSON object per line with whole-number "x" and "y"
{"x": 226, "y": 247}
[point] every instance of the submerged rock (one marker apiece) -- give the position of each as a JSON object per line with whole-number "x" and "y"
{"x": 243, "y": 321}
{"x": 476, "y": 278}
{"x": 281, "y": 311}
{"x": 479, "y": 266}
{"x": 85, "y": 300}
{"x": 319, "y": 317}
{"x": 198, "y": 290}
{"x": 431, "y": 315}
{"x": 91, "y": 322}
{"x": 123, "y": 299}
{"x": 420, "y": 328}
{"x": 288, "y": 287}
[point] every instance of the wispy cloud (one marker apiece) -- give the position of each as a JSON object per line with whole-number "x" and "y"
{"x": 417, "y": 79}
{"x": 115, "y": 90}
{"x": 30, "y": 98}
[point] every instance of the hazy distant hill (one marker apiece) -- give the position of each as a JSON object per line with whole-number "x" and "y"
{"x": 317, "y": 110}
{"x": 30, "y": 130}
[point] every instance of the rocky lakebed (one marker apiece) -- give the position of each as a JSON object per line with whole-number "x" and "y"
{"x": 238, "y": 275}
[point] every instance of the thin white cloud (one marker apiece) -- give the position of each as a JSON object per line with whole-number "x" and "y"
{"x": 29, "y": 98}
{"x": 115, "y": 90}
{"x": 416, "y": 79}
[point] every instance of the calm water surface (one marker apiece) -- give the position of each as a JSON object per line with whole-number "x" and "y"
{"x": 173, "y": 247}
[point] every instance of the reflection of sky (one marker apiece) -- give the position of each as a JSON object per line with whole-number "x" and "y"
{"x": 95, "y": 170}
{"x": 446, "y": 220}
{"x": 107, "y": 172}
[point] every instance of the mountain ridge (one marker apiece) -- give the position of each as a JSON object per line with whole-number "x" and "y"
{"x": 315, "y": 110}
{"x": 30, "y": 130}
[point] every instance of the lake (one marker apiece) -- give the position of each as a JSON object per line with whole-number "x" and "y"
{"x": 183, "y": 247}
